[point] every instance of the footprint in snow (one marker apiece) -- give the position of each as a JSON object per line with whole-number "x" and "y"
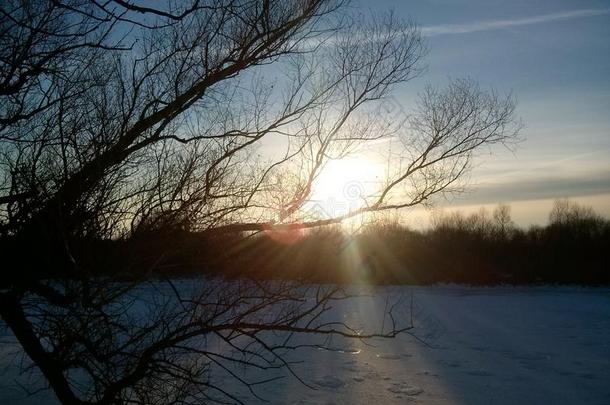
{"x": 427, "y": 373}
{"x": 450, "y": 363}
{"x": 329, "y": 381}
{"x": 480, "y": 373}
{"x": 402, "y": 388}
{"x": 538, "y": 356}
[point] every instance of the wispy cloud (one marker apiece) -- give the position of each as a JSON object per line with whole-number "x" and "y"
{"x": 515, "y": 22}
{"x": 541, "y": 187}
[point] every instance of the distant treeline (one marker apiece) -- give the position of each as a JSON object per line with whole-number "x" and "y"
{"x": 481, "y": 248}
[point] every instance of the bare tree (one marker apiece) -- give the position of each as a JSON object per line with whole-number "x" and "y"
{"x": 566, "y": 212}
{"x": 503, "y": 222}
{"x": 120, "y": 120}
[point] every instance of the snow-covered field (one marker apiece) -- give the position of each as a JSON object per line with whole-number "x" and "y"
{"x": 500, "y": 345}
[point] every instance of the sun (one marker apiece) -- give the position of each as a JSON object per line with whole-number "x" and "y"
{"x": 343, "y": 184}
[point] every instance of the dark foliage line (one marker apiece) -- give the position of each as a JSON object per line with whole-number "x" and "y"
{"x": 481, "y": 248}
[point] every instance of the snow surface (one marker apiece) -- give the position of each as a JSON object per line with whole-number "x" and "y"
{"x": 496, "y": 345}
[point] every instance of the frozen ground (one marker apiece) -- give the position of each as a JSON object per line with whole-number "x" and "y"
{"x": 543, "y": 345}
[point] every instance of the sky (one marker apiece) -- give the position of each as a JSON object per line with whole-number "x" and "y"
{"x": 554, "y": 56}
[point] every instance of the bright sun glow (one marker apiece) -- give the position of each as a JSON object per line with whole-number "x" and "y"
{"x": 343, "y": 183}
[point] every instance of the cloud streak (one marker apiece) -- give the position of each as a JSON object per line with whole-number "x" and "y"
{"x": 543, "y": 187}
{"x": 477, "y": 26}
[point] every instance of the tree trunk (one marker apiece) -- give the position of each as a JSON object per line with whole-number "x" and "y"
{"x": 12, "y": 314}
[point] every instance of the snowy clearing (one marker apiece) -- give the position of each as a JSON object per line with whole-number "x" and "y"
{"x": 496, "y": 345}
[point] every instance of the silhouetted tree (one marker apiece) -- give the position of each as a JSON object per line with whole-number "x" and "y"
{"x": 124, "y": 126}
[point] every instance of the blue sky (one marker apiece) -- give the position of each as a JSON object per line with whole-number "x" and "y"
{"x": 555, "y": 57}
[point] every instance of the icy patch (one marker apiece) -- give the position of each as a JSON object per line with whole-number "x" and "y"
{"x": 389, "y": 356}
{"x": 344, "y": 350}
